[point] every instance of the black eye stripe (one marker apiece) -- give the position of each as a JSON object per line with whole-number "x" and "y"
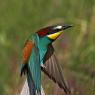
{"x": 53, "y": 31}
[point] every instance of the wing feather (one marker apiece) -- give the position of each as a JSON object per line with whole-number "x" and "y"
{"x": 53, "y": 69}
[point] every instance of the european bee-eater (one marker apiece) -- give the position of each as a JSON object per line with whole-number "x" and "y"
{"x": 38, "y": 55}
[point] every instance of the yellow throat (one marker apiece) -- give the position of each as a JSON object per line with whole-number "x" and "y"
{"x": 55, "y": 35}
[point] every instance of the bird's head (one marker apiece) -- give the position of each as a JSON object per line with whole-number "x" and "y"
{"x": 52, "y": 32}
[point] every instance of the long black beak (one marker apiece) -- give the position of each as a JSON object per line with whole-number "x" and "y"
{"x": 66, "y": 27}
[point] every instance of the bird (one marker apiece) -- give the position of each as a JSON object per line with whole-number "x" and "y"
{"x": 38, "y": 55}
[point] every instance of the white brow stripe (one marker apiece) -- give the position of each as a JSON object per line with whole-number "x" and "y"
{"x": 58, "y": 27}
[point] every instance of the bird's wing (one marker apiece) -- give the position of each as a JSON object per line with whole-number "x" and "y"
{"x": 31, "y": 66}
{"x": 34, "y": 69}
{"x": 53, "y": 70}
{"x": 27, "y": 50}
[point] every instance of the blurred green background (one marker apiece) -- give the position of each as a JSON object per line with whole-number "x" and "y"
{"x": 75, "y": 48}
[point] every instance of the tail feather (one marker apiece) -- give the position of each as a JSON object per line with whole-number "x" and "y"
{"x": 27, "y": 90}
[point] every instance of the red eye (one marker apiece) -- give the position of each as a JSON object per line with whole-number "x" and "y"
{"x": 43, "y": 32}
